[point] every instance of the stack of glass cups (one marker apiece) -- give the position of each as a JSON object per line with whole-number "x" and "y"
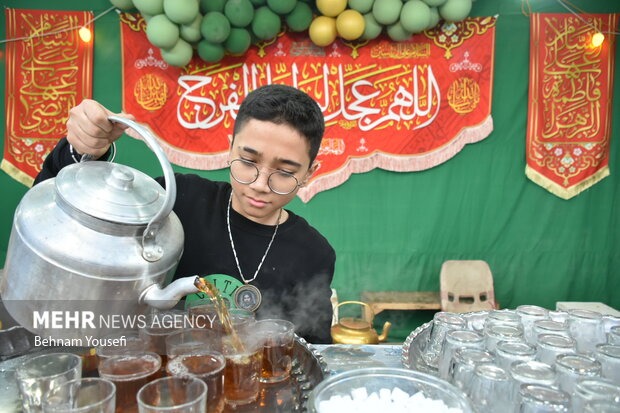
{"x": 551, "y": 345}
{"x": 531, "y": 372}
{"x": 494, "y": 333}
{"x": 609, "y": 357}
{"x": 586, "y": 327}
{"x": 507, "y": 352}
{"x": 529, "y": 314}
{"x": 594, "y": 388}
{"x": 442, "y": 323}
{"x": 456, "y": 339}
{"x": 571, "y": 367}
{"x": 463, "y": 364}
{"x": 551, "y": 327}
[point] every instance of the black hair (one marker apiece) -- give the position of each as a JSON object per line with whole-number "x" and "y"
{"x": 283, "y": 104}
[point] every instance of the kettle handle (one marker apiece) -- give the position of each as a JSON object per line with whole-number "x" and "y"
{"x": 151, "y": 251}
{"x": 367, "y": 308}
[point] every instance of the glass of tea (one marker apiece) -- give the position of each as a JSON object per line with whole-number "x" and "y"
{"x": 39, "y": 374}
{"x": 173, "y": 394}
{"x": 160, "y": 325}
{"x": 278, "y": 337}
{"x": 207, "y": 366}
{"x": 243, "y": 352}
{"x": 129, "y": 372}
{"x": 87, "y": 395}
{"x": 119, "y": 343}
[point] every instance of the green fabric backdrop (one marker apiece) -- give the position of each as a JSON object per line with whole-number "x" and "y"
{"x": 392, "y": 231}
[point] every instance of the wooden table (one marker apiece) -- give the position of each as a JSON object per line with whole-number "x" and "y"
{"x": 400, "y": 300}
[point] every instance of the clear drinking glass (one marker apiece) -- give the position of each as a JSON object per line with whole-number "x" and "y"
{"x": 531, "y": 372}
{"x": 551, "y": 327}
{"x": 507, "y": 352}
{"x": 503, "y": 318}
{"x": 494, "y": 333}
{"x": 173, "y": 394}
{"x": 490, "y": 388}
{"x": 463, "y": 364}
{"x": 278, "y": 337}
{"x": 160, "y": 325}
{"x": 190, "y": 340}
{"x": 613, "y": 337}
{"x": 609, "y": 357}
{"x": 602, "y": 406}
{"x": 207, "y": 366}
{"x": 87, "y": 395}
{"x": 456, "y": 339}
{"x": 536, "y": 398}
{"x": 442, "y": 323}
{"x": 529, "y": 314}
{"x": 39, "y": 374}
{"x": 586, "y": 327}
{"x": 559, "y": 316}
{"x": 120, "y": 343}
{"x": 594, "y": 388}
{"x": 244, "y": 357}
{"x": 571, "y": 367}
{"x": 550, "y": 346}
{"x": 129, "y": 372}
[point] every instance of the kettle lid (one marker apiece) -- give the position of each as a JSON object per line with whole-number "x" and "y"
{"x": 110, "y": 192}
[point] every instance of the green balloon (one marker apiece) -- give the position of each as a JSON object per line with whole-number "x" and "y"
{"x": 152, "y": 7}
{"x": 455, "y": 10}
{"x": 122, "y": 4}
{"x": 266, "y": 23}
{"x": 146, "y": 17}
{"x": 282, "y": 6}
{"x": 180, "y": 54}
{"x": 372, "y": 29}
{"x": 387, "y": 11}
{"x": 239, "y": 12}
{"x": 181, "y": 11}
{"x": 215, "y": 27}
{"x": 434, "y": 21}
{"x": 434, "y": 3}
{"x": 300, "y": 18}
{"x": 397, "y": 32}
{"x": 238, "y": 42}
{"x": 363, "y": 6}
{"x": 415, "y": 16}
{"x": 210, "y": 52}
{"x": 161, "y": 32}
{"x": 191, "y": 32}
{"x": 212, "y": 5}
{"x": 258, "y": 3}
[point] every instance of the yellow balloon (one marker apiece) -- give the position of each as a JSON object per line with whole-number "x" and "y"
{"x": 331, "y": 8}
{"x": 350, "y": 24}
{"x": 323, "y": 31}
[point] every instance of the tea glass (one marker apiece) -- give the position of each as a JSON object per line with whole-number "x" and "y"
{"x": 571, "y": 367}
{"x": 507, "y": 352}
{"x": 129, "y": 372}
{"x": 531, "y": 372}
{"x": 173, "y": 394}
{"x": 609, "y": 357}
{"x": 456, "y": 339}
{"x": 503, "y": 318}
{"x": 490, "y": 388}
{"x": 190, "y": 340}
{"x": 494, "y": 333}
{"x": 601, "y": 406}
{"x": 550, "y": 346}
{"x": 594, "y": 388}
{"x": 122, "y": 342}
{"x": 551, "y": 327}
{"x": 613, "y": 336}
{"x": 86, "y": 395}
{"x": 463, "y": 364}
{"x": 536, "y": 398}
{"x": 586, "y": 327}
{"x": 39, "y": 374}
{"x": 278, "y": 337}
{"x": 529, "y": 314}
{"x": 244, "y": 357}
{"x": 160, "y": 325}
{"x": 207, "y": 366}
{"x": 442, "y": 323}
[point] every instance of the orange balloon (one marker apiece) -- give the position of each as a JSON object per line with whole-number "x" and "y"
{"x": 350, "y": 24}
{"x": 323, "y": 31}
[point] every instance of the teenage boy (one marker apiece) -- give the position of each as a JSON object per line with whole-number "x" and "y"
{"x": 238, "y": 234}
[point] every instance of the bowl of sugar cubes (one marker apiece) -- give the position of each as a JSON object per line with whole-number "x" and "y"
{"x": 384, "y": 389}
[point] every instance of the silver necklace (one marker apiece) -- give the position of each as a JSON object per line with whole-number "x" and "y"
{"x": 248, "y": 296}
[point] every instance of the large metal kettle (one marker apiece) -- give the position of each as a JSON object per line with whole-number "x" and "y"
{"x": 94, "y": 246}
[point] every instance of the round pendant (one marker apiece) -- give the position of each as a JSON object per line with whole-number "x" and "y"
{"x": 248, "y": 297}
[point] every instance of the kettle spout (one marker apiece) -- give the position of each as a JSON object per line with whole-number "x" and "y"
{"x": 168, "y": 297}
{"x": 386, "y": 330}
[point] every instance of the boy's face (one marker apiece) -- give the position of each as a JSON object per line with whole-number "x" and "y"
{"x": 271, "y": 147}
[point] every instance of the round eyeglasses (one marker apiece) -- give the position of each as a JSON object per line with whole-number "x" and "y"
{"x": 247, "y": 172}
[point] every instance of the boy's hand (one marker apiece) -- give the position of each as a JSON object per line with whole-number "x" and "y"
{"x": 90, "y": 131}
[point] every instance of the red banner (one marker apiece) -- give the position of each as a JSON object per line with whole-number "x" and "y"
{"x": 570, "y": 101}
{"x": 404, "y": 106}
{"x": 47, "y": 73}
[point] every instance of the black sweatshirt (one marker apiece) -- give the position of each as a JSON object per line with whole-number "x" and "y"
{"x": 296, "y": 275}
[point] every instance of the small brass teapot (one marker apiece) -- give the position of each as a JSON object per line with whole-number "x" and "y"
{"x": 350, "y": 330}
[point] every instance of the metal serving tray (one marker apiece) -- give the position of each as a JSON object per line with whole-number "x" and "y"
{"x": 309, "y": 369}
